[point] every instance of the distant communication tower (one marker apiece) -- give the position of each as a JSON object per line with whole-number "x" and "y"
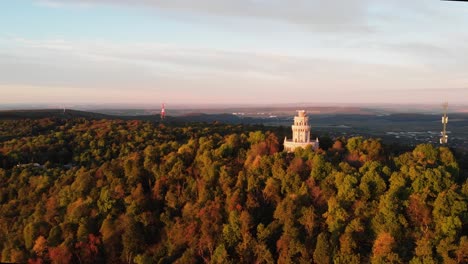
{"x": 444, "y": 138}
{"x": 163, "y": 112}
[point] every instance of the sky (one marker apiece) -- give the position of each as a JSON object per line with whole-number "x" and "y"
{"x": 233, "y": 51}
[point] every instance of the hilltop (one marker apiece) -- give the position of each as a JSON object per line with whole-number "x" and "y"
{"x": 121, "y": 191}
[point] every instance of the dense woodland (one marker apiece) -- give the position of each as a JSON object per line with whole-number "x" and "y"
{"x": 87, "y": 191}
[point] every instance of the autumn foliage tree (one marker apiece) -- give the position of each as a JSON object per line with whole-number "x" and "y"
{"x": 115, "y": 191}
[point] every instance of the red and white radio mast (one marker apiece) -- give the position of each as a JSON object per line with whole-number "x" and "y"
{"x": 163, "y": 112}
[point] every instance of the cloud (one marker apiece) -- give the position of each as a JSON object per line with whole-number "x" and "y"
{"x": 195, "y": 63}
{"x": 181, "y": 72}
{"x": 134, "y": 67}
{"x": 373, "y": 51}
{"x": 324, "y": 16}
{"x": 144, "y": 71}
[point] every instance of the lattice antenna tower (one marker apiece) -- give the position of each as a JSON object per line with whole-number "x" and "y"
{"x": 163, "y": 112}
{"x": 444, "y": 137}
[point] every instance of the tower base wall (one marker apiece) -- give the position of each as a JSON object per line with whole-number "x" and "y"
{"x": 290, "y": 145}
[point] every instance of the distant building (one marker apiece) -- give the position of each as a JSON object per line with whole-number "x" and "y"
{"x": 163, "y": 111}
{"x": 301, "y": 133}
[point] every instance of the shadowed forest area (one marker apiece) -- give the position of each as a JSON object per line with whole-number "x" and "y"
{"x": 118, "y": 191}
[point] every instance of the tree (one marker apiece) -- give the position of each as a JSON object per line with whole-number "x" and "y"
{"x": 425, "y": 154}
{"x": 143, "y": 259}
{"x": 308, "y": 219}
{"x": 320, "y": 168}
{"x": 40, "y": 246}
{"x": 449, "y": 206}
{"x": 132, "y": 240}
{"x": 111, "y": 239}
{"x": 55, "y": 236}
{"x": 105, "y": 202}
{"x": 419, "y": 212}
{"x": 231, "y": 231}
{"x": 88, "y": 251}
{"x": 30, "y": 233}
{"x": 336, "y": 217}
{"x": 372, "y": 183}
{"x": 220, "y": 255}
{"x": 424, "y": 250}
{"x": 211, "y": 219}
{"x": 60, "y": 254}
{"x": 462, "y": 251}
{"x": 382, "y": 251}
{"x": 322, "y": 252}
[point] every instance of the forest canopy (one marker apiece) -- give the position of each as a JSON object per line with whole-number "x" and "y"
{"x": 87, "y": 191}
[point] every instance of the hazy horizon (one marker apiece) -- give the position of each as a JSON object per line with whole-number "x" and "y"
{"x": 121, "y": 52}
{"x": 386, "y": 107}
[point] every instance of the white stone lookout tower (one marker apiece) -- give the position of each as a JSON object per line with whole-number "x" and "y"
{"x": 301, "y": 133}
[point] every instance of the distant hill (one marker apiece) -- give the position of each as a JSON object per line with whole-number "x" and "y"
{"x": 70, "y": 114}
{"x": 51, "y": 113}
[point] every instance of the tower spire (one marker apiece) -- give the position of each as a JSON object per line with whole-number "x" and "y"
{"x": 444, "y": 137}
{"x": 163, "y": 112}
